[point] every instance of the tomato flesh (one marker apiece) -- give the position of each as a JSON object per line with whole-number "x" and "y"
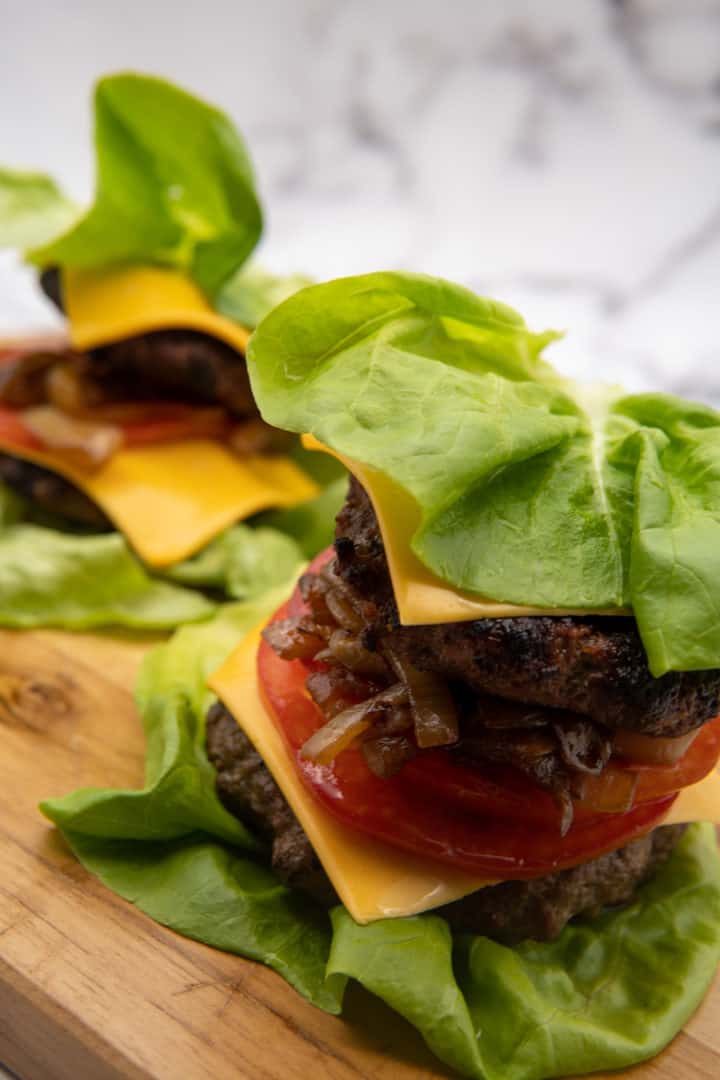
{"x": 189, "y": 422}
{"x": 14, "y": 432}
{"x": 177, "y": 423}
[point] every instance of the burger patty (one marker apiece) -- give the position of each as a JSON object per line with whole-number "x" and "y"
{"x": 51, "y": 491}
{"x": 594, "y": 666}
{"x": 182, "y": 365}
{"x": 176, "y": 365}
{"x": 510, "y": 912}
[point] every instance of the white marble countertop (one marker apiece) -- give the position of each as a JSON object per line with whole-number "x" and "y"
{"x": 564, "y": 157}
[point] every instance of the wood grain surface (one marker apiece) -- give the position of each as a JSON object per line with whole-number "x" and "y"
{"x": 90, "y": 989}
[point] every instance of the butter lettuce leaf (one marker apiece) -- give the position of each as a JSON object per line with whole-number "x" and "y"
{"x": 172, "y": 849}
{"x": 244, "y": 562}
{"x": 51, "y": 578}
{"x": 32, "y": 209}
{"x": 253, "y": 292}
{"x": 179, "y": 793}
{"x": 610, "y": 992}
{"x": 311, "y": 524}
{"x": 174, "y": 186}
{"x": 530, "y": 488}
{"x": 216, "y": 895}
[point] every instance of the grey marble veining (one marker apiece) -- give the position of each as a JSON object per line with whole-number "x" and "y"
{"x": 562, "y": 156}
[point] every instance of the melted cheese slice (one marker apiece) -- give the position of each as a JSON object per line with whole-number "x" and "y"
{"x": 699, "y": 802}
{"x": 421, "y": 597}
{"x": 373, "y": 880}
{"x": 106, "y": 305}
{"x": 171, "y": 499}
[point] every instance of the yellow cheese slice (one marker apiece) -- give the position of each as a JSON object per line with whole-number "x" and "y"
{"x": 373, "y": 880}
{"x": 421, "y": 597}
{"x": 171, "y": 499}
{"x": 106, "y": 305}
{"x": 699, "y": 802}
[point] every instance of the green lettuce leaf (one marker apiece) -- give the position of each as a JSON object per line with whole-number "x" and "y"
{"x": 50, "y": 578}
{"x": 249, "y": 559}
{"x": 244, "y": 562}
{"x": 174, "y": 186}
{"x": 312, "y": 523}
{"x": 530, "y": 488}
{"x": 171, "y": 848}
{"x": 32, "y": 209}
{"x": 252, "y": 293}
{"x": 184, "y": 664}
{"x": 610, "y": 992}
{"x": 179, "y": 793}
{"x": 215, "y": 895}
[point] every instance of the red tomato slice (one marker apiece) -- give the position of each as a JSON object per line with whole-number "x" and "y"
{"x": 14, "y": 432}
{"x": 400, "y": 813}
{"x": 189, "y": 422}
{"x": 654, "y": 781}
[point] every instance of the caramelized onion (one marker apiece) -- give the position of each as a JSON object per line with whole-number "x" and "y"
{"x": 613, "y": 792}
{"x": 386, "y": 755}
{"x": 434, "y": 712}
{"x": 337, "y": 734}
{"x": 81, "y": 442}
{"x": 651, "y": 750}
{"x": 346, "y": 649}
{"x": 326, "y": 743}
{"x": 70, "y": 392}
{"x": 291, "y": 640}
{"x": 343, "y": 612}
{"x": 23, "y": 379}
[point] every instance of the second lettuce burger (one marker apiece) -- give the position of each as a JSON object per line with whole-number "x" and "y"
{"x": 143, "y": 420}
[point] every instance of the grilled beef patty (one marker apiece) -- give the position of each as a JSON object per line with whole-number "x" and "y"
{"x": 510, "y": 912}
{"x": 592, "y": 666}
{"x": 173, "y": 365}
{"x": 51, "y": 492}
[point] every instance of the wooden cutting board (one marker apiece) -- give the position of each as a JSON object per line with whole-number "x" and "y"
{"x": 91, "y": 989}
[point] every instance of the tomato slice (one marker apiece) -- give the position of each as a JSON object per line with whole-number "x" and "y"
{"x": 13, "y": 431}
{"x": 188, "y": 422}
{"x": 404, "y": 811}
{"x": 654, "y": 781}
{"x": 184, "y": 422}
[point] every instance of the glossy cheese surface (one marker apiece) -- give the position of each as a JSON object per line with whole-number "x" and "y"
{"x": 699, "y": 802}
{"x": 106, "y": 305}
{"x": 421, "y": 597}
{"x": 171, "y": 499}
{"x": 373, "y": 880}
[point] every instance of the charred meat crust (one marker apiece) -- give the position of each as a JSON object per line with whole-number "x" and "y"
{"x": 540, "y": 908}
{"x": 171, "y": 364}
{"x": 510, "y": 912}
{"x": 248, "y": 791}
{"x": 593, "y": 666}
{"x": 51, "y": 492}
{"x": 175, "y": 365}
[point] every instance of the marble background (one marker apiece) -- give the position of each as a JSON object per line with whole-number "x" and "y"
{"x": 562, "y": 156}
